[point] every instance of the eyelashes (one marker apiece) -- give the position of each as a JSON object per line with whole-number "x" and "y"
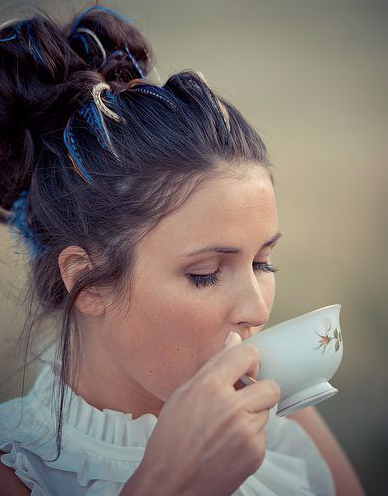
{"x": 201, "y": 280}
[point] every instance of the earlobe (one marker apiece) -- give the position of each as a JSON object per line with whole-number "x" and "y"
{"x": 73, "y": 261}
{"x": 90, "y": 303}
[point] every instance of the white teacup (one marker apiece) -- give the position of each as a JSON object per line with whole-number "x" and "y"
{"x": 301, "y": 354}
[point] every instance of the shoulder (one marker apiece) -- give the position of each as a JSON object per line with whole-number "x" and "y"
{"x": 20, "y": 426}
{"x": 11, "y": 485}
{"x": 346, "y": 479}
{"x": 314, "y": 424}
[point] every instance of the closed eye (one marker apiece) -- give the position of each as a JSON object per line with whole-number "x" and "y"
{"x": 201, "y": 280}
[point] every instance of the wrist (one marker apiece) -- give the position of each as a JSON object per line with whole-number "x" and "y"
{"x": 138, "y": 484}
{"x": 145, "y": 481}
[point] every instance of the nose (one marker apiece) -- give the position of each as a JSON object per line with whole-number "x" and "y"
{"x": 251, "y": 308}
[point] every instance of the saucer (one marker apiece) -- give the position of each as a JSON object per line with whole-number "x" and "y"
{"x": 305, "y": 398}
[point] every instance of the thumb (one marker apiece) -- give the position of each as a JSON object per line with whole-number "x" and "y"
{"x": 232, "y": 340}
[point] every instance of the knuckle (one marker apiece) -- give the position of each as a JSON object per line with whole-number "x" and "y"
{"x": 260, "y": 420}
{"x": 245, "y": 427}
{"x": 265, "y": 416}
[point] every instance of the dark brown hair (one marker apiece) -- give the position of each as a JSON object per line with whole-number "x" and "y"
{"x": 159, "y": 153}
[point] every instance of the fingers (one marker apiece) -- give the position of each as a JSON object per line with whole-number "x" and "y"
{"x": 258, "y": 420}
{"x": 261, "y": 396}
{"x": 233, "y": 362}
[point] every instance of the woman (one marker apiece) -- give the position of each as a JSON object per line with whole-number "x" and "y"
{"x": 150, "y": 215}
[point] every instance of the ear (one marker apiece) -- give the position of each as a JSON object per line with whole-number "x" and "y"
{"x": 73, "y": 261}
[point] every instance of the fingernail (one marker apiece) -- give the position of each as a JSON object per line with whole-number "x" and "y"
{"x": 233, "y": 339}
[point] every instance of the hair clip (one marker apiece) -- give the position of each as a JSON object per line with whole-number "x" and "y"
{"x": 153, "y": 67}
{"x": 201, "y": 76}
{"x": 114, "y": 54}
{"x": 96, "y": 92}
{"x": 4, "y": 25}
{"x": 148, "y": 89}
{"x": 220, "y": 105}
{"x": 95, "y": 38}
{"x": 225, "y": 114}
{"x": 135, "y": 62}
{"x": 92, "y": 112}
{"x": 83, "y": 39}
{"x": 124, "y": 18}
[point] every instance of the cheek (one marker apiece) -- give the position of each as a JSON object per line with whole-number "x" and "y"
{"x": 163, "y": 338}
{"x": 268, "y": 289}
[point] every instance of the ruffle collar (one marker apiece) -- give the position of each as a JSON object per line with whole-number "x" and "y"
{"x": 81, "y": 419}
{"x": 107, "y": 445}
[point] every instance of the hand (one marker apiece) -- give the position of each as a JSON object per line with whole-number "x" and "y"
{"x": 210, "y": 436}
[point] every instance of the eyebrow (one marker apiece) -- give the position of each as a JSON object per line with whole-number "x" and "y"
{"x": 230, "y": 249}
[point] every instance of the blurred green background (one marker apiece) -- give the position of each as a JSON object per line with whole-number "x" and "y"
{"x": 312, "y": 77}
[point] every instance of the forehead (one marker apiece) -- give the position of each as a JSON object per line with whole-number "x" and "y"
{"x": 237, "y": 208}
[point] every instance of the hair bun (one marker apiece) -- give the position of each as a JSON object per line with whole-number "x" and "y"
{"x": 109, "y": 43}
{"x": 47, "y": 70}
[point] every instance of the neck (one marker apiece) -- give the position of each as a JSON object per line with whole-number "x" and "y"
{"x": 102, "y": 382}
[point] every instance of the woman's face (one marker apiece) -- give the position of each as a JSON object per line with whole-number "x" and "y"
{"x": 179, "y": 315}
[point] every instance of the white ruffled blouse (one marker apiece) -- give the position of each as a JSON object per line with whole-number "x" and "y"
{"x": 102, "y": 449}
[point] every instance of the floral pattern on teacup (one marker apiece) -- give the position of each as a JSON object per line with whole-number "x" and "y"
{"x": 326, "y": 339}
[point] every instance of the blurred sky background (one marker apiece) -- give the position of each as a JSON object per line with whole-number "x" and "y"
{"x": 312, "y": 76}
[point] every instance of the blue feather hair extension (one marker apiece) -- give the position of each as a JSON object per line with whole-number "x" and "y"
{"x": 31, "y": 42}
{"x": 92, "y": 116}
{"x": 13, "y": 37}
{"x": 142, "y": 75}
{"x": 22, "y": 231}
{"x": 73, "y": 154}
{"x": 84, "y": 41}
{"x": 33, "y": 45}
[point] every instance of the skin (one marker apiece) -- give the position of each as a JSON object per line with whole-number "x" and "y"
{"x": 135, "y": 354}
{"x": 345, "y": 477}
{"x": 133, "y": 357}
